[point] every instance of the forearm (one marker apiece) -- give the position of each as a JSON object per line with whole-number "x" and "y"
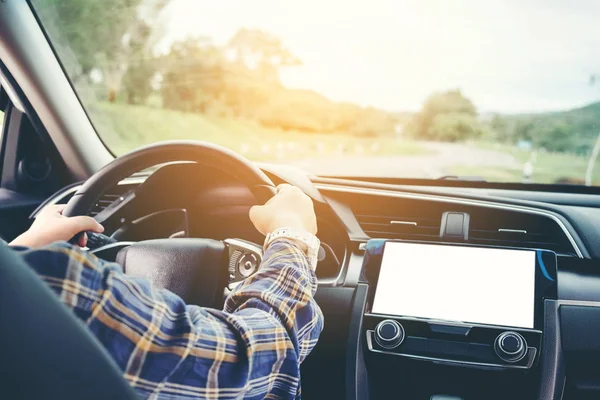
{"x": 284, "y": 286}
{"x": 270, "y": 324}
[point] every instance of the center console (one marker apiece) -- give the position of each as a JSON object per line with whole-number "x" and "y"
{"x": 454, "y": 319}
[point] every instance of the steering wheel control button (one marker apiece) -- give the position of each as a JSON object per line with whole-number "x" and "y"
{"x": 95, "y": 240}
{"x": 510, "y": 346}
{"x": 389, "y": 334}
{"x": 247, "y": 264}
{"x": 244, "y": 259}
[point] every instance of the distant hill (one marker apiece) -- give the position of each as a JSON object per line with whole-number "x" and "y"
{"x": 572, "y": 131}
{"x": 588, "y": 112}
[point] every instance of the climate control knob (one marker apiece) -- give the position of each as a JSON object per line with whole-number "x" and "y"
{"x": 389, "y": 334}
{"x": 510, "y": 346}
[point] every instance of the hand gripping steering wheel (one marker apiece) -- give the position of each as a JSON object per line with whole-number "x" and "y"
{"x": 195, "y": 269}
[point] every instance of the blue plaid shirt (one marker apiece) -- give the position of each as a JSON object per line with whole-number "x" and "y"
{"x": 252, "y": 349}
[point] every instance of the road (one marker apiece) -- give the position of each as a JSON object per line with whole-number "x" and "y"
{"x": 438, "y": 161}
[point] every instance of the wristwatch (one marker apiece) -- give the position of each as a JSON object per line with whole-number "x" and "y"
{"x": 308, "y": 242}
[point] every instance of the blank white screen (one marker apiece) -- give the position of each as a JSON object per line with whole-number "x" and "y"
{"x": 453, "y": 283}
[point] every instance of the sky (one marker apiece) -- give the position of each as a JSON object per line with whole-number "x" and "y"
{"x": 506, "y": 56}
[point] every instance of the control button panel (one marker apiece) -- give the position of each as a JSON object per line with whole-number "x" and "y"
{"x": 468, "y": 345}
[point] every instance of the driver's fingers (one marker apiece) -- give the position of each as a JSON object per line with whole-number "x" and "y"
{"x": 82, "y": 240}
{"x": 59, "y": 208}
{"x": 278, "y": 190}
{"x": 271, "y": 199}
{"x": 83, "y": 223}
{"x": 52, "y": 209}
{"x": 255, "y": 213}
{"x": 257, "y": 217}
{"x": 283, "y": 186}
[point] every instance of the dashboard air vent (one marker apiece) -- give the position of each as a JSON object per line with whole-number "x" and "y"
{"x": 388, "y": 217}
{"x": 515, "y": 229}
{"x": 408, "y": 227}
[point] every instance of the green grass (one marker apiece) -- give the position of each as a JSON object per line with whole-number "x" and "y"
{"x": 125, "y": 127}
{"x": 548, "y": 167}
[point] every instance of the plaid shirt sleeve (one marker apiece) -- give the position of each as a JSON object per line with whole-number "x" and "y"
{"x": 252, "y": 349}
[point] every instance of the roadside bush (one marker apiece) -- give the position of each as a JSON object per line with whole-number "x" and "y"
{"x": 454, "y": 127}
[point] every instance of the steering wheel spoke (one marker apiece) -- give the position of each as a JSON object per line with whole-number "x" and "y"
{"x": 115, "y": 207}
{"x": 109, "y": 251}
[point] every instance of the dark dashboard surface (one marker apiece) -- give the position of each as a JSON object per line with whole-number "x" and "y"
{"x": 351, "y": 212}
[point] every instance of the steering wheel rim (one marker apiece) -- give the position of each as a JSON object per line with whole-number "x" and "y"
{"x": 162, "y": 152}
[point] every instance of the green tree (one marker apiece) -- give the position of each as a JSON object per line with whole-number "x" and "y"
{"x": 102, "y": 35}
{"x": 261, "y": 52}
{"x": 553, "y": 136}
{"x": 451, "y": 102}
{"x": 141, "y": 69}
{"x": 241, "y": 77}
{"x": 194, "y": 74}
{"x": 454, "y": 127}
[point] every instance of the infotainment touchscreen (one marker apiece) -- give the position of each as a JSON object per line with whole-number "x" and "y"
{"x": 457, "y": 283}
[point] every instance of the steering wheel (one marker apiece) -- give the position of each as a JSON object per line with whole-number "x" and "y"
{"x": 195, "y": 269}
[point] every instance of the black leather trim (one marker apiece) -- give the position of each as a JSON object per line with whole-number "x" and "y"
{"x": 324, "y": 370}
{"x": 357, "y": 382}
{"x": 552, "y": 367}
{"x": 578, "y": 279}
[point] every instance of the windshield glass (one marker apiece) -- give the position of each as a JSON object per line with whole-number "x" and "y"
{"x": 502, "y": 91}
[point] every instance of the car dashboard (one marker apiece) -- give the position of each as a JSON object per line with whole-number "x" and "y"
{"x": 352, "y": 215}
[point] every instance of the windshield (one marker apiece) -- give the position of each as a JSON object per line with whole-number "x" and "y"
{"x": 500, "y": 91}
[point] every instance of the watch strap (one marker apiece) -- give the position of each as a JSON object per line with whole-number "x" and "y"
{"x": 299, "y": 236}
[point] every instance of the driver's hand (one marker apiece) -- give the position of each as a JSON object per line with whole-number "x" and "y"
{"x": 51, "y": 226}
{"x": 289, "y": 208}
